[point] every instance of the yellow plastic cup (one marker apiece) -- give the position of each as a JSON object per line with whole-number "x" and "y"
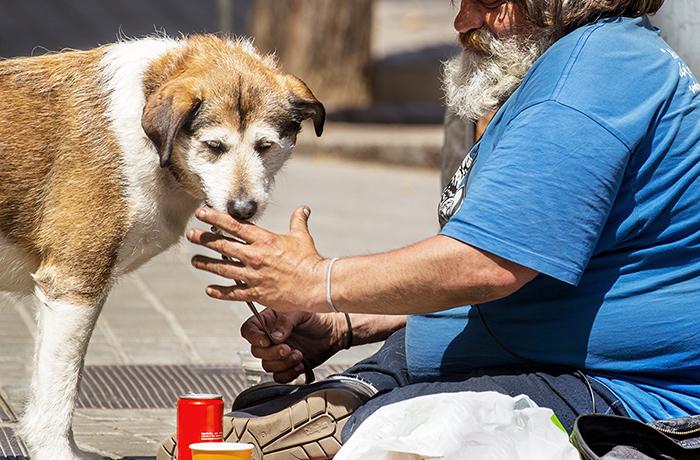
{"x": 221, "y": 451}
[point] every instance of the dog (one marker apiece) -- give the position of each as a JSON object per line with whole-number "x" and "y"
{"x": 104, "y": 156}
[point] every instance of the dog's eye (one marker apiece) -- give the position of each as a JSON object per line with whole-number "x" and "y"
{"x": 262, "y": 146}
{"x": 215, "y": 146}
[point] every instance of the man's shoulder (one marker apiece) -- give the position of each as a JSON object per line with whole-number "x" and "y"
{"x": 606, "y": 70}
{"x": 552, "y": 70}
{"x": 615, "y": 51}
{"x": 596, "y": 58}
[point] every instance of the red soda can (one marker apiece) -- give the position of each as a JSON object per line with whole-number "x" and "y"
{"x": 200, "y": 418}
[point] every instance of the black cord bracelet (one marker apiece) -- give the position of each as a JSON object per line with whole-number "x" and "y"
{"x": 348, "y": 339}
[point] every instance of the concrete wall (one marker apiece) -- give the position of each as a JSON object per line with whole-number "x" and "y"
{"x": 679, "y": 21}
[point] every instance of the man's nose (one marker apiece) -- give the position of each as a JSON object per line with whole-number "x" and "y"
{"x": 470, "y": 16}
{"x": 242, "y": 208}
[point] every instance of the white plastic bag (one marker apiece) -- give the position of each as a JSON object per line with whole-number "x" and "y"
{"x": 458, "y": 426}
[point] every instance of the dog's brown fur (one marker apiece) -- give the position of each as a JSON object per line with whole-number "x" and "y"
{"x": 53, "y": 126}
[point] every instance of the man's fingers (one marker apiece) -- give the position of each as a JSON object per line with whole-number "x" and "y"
{"x": 280, "y": 326}
{"x": 225, "y": 268}
{"x": 271, "y": 353}
{"x": 219, "y": 243}
{"x": 278, "y": 353}
{"x": 254, "y": 333}
{"x": 288, "y": 376}
{"x": 238, "y": 293}
{"x": 243, "y": 230}
{"x": 282, "y": 365}
{"x": 299, "y": 221}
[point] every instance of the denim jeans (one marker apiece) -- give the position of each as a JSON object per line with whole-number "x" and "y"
{"x": 568, "y": 393}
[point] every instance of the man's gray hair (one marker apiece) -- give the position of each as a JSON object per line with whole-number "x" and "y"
{"x": 563, "y": 16}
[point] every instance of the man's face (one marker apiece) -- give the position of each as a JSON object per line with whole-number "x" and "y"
{"x": 500, "y": 17}
{"x": 500, "y": 45}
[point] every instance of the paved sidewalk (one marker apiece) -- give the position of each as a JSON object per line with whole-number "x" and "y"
{"x": 160, "y": 315}
{"x": 407, "y": 145}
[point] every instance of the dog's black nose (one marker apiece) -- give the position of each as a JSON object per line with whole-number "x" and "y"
{"x": 242, "y": 208}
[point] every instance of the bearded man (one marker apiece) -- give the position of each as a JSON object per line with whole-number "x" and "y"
{"x": 568, "y": 263}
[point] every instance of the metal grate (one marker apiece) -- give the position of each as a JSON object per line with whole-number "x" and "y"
{"x": 158, "y": 387}
{"x": 6, "y": 414}
{"x": 11, "y": 448}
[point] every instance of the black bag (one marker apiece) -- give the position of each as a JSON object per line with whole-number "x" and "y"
{"x": 609, "y": 437}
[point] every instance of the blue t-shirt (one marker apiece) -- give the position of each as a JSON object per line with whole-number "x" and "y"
{"x": 590, "y": 175}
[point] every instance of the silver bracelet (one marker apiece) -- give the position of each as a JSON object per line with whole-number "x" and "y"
{"x": 329, "y": 300}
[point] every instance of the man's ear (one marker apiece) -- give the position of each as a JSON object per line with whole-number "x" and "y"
{"x": 305, "y": 103}
{"x": 166, "y": 112}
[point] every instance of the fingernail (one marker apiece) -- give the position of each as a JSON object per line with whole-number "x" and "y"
{"x": 296, "y": 356}
{"x": 307, "y": 212}
{"x": 262, "y": 342}
{"x": 278, "y": 335}
{"x": 201, "y": 212}
{"x": 190, "y": 234}
{"x": 210, "y": 291}
{"x": 283, "y": 353}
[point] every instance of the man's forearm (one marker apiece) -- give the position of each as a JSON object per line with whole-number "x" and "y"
{"x": 374, "y": 328}
{"x": 285, "y": 272}
{"x": 435, "y": 274}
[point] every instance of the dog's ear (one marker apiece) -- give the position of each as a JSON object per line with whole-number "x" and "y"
{"x": 305, "y": 103}
{"x": 166, "y": 112}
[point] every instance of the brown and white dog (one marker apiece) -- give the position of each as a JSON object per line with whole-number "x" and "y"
{"x": 104, "y": 156}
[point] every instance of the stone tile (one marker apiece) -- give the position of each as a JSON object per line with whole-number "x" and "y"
{"x": 121, "y": 433}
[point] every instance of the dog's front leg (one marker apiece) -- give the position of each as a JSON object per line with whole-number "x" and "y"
{"x": 65, "y": 324}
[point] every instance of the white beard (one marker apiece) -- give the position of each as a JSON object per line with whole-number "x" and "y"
{"x": 477, "y": 83}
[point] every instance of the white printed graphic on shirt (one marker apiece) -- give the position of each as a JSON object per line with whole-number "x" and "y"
{"x": 683, "y": 70}
{"x": 453, "y": 194}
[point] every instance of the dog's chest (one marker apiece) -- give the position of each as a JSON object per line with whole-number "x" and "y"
{"x": 154, "y": 229}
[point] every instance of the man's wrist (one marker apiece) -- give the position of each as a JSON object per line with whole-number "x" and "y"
{"x": 339, "y": 331}
{"x": 368, "y": 328}
{"x": 316, "y": 295}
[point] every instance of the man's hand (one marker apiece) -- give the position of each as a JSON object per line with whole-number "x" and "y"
{"x": 314, "y": 336}
{"x": 280, "y": 271}
{"x": 284, "y": 272}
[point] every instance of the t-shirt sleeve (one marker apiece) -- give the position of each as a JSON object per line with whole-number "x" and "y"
{"x": 542, "y": 196}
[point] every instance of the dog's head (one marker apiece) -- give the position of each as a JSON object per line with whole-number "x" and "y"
{"x": 224, "y": 120}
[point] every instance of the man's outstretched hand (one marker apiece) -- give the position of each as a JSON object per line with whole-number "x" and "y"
{"x": 281, "y": 271}
{"x": 314, "y": 336}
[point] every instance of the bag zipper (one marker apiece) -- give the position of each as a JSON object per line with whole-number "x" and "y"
{"x": 676, "y": 433}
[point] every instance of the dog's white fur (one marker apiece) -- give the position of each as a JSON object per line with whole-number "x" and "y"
{"x": 46, "y": 422}
{"x": 150, "y": 233}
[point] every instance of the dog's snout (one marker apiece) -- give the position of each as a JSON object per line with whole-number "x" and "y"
{"x": 242, "y": 208}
